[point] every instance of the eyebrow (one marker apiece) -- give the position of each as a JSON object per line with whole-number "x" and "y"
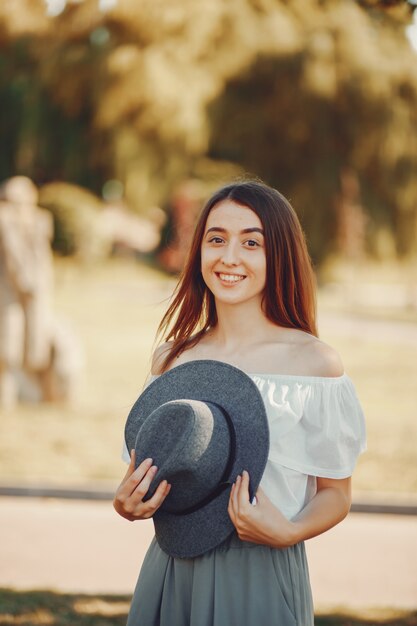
{"x": 245, "y": 230}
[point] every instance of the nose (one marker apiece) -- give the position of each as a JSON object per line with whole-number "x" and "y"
{"x": 230, "y": 254}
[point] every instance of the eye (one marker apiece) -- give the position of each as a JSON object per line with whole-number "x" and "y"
{"x": 252, "y": 243}
{"x": 215, "y": 240}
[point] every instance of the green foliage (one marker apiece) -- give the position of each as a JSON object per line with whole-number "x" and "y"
{"x": 39, "y": 138}
{"x": 33, "y": 608}
{"x": 347, "y": 99}
{"x": 149, "y": 94}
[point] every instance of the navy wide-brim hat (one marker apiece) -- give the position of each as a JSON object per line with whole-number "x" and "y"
{"x": 202, "y": 423}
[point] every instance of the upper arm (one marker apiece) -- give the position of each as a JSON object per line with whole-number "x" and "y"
{"x": 159, "y": 357}
{"x": 344, "y": 485}
{"x": 325, "y": 360}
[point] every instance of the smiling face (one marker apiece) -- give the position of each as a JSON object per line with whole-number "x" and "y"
{"x": 233, "y": 260}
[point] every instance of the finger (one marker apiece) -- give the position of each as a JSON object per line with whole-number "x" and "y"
{"x": 158, "y": 497}
{"x": 142, "y": 487}
{"x": 131, "y": 466}
{"x": 243, "y": 498}
{"x": 130, "y": 479}
{"x": 132, "y": 457}
{"x": 260, "y": 494}
{"x": 143, "y": 467}
{"x": 236, "y": 495}
{"x": 129, "y": 497}
{"x": 231, "y": 495}
{"x": 138, "y": 475}
{"x": 230, "y": 507}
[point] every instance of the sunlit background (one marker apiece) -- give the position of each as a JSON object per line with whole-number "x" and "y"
{"x": 126, "y": 116}
{"x": 118, "y": 119}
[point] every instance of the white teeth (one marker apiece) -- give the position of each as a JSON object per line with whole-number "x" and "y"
{"x": 231, "y": 278}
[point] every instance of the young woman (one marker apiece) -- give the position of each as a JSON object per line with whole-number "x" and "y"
{"x": 246, "y": 297}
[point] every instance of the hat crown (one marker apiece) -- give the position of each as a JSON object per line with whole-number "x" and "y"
{"x": 189, "y": 442}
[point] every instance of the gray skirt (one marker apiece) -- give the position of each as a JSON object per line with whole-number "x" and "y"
{"x": 237, "y": 584}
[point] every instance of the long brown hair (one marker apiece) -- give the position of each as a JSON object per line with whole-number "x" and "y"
{"x": 289, "y": 296}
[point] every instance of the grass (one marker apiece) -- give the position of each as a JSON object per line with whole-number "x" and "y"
{"x": 46, "y": 608}
{"x": 115, "y": 309}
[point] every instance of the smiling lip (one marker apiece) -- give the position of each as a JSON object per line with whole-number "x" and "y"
{"x": 230, "y": 279}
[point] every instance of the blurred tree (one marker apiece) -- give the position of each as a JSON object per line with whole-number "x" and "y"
{"x": 153, "y": 93}
{"x": 347, "y": 99}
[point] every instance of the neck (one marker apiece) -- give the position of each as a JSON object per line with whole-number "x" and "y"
{"x": 239, "y": 326}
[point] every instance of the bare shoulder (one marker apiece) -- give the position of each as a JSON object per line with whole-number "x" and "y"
{"x": 159, "y": 356}
{"x": 322, "y": 359}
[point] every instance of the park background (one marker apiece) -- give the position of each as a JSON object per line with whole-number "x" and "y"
{"x": 147, "y": 107}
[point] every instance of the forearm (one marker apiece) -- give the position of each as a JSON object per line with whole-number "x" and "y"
{"x": 265, "y": 524}
{"x": 328, "y": 507}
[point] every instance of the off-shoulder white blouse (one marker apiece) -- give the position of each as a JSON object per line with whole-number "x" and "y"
{"x": 317, "y": 428}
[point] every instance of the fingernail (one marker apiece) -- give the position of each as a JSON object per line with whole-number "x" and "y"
{"x": 245, "y": 473}
{"x": 153, "y": 468}
{"x": 148, "y": 460}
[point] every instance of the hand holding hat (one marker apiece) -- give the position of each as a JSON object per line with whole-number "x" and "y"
{"x": 264, "y": 523}
{"x": 128, "y": 501}
{"x": 202, "y": 423}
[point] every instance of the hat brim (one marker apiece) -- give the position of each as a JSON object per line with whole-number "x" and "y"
{"x": 191, "y": 535}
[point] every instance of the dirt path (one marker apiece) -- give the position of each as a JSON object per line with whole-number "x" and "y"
{"x": 368, "y": 560}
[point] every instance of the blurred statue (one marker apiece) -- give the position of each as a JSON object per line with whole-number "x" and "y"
{"x": 351, "y": 231}
{"x": 351, "y": 217}
{"x": 186, "y": 203}
{"x": 18, "y": 232}
{"x": 130, "y": 234}
{"x": 27, "y": 328}
{"x": 90, "y": 230}
{"x": 59, "y": 381}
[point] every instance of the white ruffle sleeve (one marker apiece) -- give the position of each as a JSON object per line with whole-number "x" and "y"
{"x": 317, "y": 425}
